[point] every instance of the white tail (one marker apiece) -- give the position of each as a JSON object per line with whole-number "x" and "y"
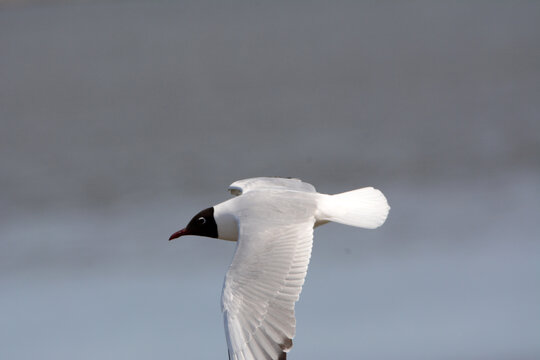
{"x": 366, "y": 208}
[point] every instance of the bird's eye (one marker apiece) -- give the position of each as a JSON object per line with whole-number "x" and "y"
{"x": 201, "y": 220}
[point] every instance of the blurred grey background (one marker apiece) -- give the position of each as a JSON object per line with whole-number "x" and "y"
{"x": 120, "y": 120}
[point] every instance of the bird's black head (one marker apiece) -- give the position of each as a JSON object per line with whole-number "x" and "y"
{"x": 202, "y": 224}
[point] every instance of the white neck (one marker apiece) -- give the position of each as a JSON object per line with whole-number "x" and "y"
{"x": 227, "y": 224}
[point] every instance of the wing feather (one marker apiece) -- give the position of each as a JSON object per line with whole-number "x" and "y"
{"x": 259, "y": 183}
{"x": 265, "y": 280}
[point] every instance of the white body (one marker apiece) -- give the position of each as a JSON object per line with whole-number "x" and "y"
{"x": 366, "y": 208}
{"x": 273, "y": 222}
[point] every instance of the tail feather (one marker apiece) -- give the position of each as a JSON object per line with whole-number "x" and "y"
{"x": 366, "y": 208}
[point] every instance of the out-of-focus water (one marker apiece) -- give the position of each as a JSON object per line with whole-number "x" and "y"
{"x": 122, "y": 120}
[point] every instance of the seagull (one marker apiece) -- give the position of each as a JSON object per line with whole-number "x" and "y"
{"x": 272, "y": 221}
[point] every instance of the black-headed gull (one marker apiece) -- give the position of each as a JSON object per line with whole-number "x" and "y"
{"x": 272, "y": 221}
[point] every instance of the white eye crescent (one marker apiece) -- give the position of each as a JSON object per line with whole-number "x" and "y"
{"x": 201, "y": 220}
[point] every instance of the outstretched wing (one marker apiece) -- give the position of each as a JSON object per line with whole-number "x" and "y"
{"x": 265, "y": 280}
{"x": 263, "y": 183}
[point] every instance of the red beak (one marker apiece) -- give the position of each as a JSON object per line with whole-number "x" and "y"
{"x": 178, "y": 234}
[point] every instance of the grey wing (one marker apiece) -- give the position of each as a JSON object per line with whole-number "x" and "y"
{"x": 262, "y": 285}
{"x": 260, "y": 183}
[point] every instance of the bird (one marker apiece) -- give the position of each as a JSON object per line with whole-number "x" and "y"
{"x": 272, "y": 219}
